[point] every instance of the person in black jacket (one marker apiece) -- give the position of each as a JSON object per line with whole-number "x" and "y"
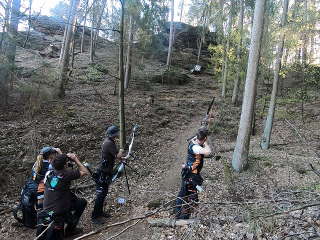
{"x": 198, "y": 148}
{"x": 103, "y": 176}
{"x": 61, "y": 206}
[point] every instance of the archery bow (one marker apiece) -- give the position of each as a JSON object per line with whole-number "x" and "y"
{"x": 122, "y": 166}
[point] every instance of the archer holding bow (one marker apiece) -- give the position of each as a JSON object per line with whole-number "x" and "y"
{"x": 104, "y": 174}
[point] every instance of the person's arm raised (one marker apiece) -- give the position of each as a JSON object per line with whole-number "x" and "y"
{"x": 82, "y": 169}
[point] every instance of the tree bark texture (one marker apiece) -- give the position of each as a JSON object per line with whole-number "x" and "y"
{"x": 96, "y": 32}
{"x": 121, "y": 81}
{"x": 9, "y": 50}
{"x": 226, "y": 59}
{"x": 84, "y": 27}
{"x": 265, "y": 141}
{"x": 240, "y": 154}
{"x": 203, "y": 33}
{"x": 129, "y": 54}
{"x": 237, "y": 80}
{"x": 66, "y": 28}
{"x": 63, "y": 75}
{"x": 305, "y": 34}
{"x": 171, "y": 36}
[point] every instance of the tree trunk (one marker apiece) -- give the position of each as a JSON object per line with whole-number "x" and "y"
{"x": 226, "y": 59}
{"x": 29, "y": 24}
{"x": 66, "y": 29}
{"x": 92, "y": 33}
{"x": 92, "y": 42}
{"x": 73, "y": 43}
{"x": 99, "y": 23}
{"x": 5, "y": 26}
{"x": 239, "y": 54}
{"x": 305, "y": 35}
{"x": 63, "y": 75}
{"x": 240, "y": 154}
{"x": 181, "y": 9}
{"x": 171, "y": 36}
{"x": 265, "y": 141}
{"x": 129, "y": 54}
{"x": 10, "y": 42}
{"x": 202, "y": 39}
{"x": 84, "y": 28}
{"x": 121, "y": 81}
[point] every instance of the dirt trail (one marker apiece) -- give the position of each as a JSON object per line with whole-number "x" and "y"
{"x": 177, "y": 155}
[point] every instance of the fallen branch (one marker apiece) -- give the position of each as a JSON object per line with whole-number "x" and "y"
{"x": 44, "y": 231}
{"x": 123, "y": 222}
{"x": 125, "y": 229}
{"x": 288, "y": 211}
{"x": 169, "y": 222}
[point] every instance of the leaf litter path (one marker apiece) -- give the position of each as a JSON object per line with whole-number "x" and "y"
{"x": 166, "y": 188}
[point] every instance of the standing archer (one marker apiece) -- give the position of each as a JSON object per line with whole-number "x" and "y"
{"x": 198, "y": 148}
{"x": 103, "y": 176}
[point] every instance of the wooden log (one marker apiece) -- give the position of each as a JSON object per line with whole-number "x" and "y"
{"x": 169, "y": 222}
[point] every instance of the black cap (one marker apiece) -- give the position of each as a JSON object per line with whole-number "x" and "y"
{"x": 59, "y": 161}
{"x": 202, "y": 133}
{"x": 112, "y": 131}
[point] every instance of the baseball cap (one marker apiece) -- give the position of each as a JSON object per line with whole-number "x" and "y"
{"x": 112, "y": 131}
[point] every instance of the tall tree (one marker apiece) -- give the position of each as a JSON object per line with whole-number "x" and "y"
{"x": 84, "y": 26}
{"x": 92, "y": 32}
{"x": 239, "y": 55}
{"x": 240, "y": 154}
{"x": 63, "y": 73}
{"x": 171, "y": 35}
{"x": 204, "y": 19}
{"x": 29, "y": 24}
{"x": 9, "y": 50}
{"x": 129, "y": 53}
{"x": 121, "y": 79}
{"x": 226, "y": 57}
{"x": 265, "y": 141}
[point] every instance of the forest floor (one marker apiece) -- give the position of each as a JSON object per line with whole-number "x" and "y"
{"x": 255, "y": 204}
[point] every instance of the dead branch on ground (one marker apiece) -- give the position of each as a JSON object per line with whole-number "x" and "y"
{"x": 125, "y": 229}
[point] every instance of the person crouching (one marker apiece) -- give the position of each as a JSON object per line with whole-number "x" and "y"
{"x": 60, "y": 205}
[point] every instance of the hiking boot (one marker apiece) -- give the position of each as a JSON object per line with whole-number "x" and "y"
{"x": 97, "y": 221}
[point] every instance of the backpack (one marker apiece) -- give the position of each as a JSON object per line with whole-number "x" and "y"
{"x": 25, "y": 212}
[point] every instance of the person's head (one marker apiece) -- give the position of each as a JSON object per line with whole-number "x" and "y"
{"x": 112, "y": 131}
{"x": 202, "y": 135}
{"x": 60, "y": 161}
{"x": 48, "y": 153}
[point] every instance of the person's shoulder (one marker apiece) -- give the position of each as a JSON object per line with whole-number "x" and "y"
{"x": 196, "y": 148}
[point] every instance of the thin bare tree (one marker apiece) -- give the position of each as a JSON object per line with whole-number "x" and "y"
{"x": 241, "y": 151}
{"x": 265, "y": 141}
{"x": 129, "y": 53}
{"x": 226, "y": 57}
{"x": 169, "y": 57}
{"x": 64, "y": 67}
{"x": 235, "y": 92}
{"x": 84, "y": 26}
{"x": 121, "y": 79}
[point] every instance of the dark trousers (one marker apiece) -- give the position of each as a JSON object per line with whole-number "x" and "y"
{"x": 71, "y": 218}
{"x": 188, "y": 194}
{"x": 101, "y": 193}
